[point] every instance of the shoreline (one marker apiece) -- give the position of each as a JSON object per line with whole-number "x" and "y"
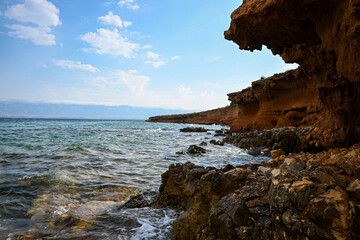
{"x": 297, "y": 195}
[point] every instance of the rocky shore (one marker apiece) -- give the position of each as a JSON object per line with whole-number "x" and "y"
{"x": 307, "y": 120}
{"x": 299, "y": 196}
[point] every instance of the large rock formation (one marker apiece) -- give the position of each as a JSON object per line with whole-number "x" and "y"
{"x": 323, "y": 37}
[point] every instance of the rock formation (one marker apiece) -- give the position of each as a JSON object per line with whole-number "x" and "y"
{"x": 298, "y": 196}
{"x": 323, "y": 37}
{"x": 306, "y": 196}
{"x": 221, "y": 116}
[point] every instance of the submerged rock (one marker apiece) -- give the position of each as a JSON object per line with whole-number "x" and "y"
{"x": 219, "y": 143}
{"x": 193, "y": 149}
{"x": 193, "y": 129}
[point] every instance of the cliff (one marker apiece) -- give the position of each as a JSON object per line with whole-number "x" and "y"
{"x": 297, "y": 194}
{"x": 286, "y": 99}
{"x": 323, "y": 38}
{"x": 221, "y": 116}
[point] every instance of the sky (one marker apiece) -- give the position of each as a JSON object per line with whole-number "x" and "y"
{"x": 146, "y": 53}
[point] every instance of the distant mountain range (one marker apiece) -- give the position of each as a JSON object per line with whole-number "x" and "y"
{"x": 60, "y": 110}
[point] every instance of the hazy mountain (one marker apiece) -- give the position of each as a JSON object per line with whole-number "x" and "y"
{"x": 54, "y": 110}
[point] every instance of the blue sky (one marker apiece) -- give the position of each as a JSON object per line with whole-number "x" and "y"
{"x": 153, "y": 53}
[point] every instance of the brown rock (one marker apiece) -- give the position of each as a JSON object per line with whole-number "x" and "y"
{"x": 276, "y": 153}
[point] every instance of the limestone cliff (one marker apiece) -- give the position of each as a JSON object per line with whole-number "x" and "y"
{"x": 323, "y": 37}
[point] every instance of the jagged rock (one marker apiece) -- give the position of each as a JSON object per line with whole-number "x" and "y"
{"x": 193, "y": 149}
{"x": 301, "y": 196}
{"x": 193, "y": 129}
{"x": 145, "y": 199}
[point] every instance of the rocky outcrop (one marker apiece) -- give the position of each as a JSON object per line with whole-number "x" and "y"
{"x": 304, "y": 196}
{"x": 220, "y": 116}
{"x": 323, "y": 38}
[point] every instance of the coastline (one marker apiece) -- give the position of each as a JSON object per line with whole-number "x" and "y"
{"x": 307, "y": 119}
{"x": 295, "y": 196}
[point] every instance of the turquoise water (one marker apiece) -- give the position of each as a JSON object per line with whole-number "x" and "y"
{"x": 67, "y": 178}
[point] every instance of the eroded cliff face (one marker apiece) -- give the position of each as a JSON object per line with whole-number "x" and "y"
{"x": 323, "y": 37}
{"x": 221, "y": 116}
{"x": 286, "y": 99}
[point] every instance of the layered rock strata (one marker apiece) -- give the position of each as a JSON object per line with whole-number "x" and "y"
{"x": 287, "y": 99}
{"x": 306, "y": 196}
{"x": 221, "y": 116}
{"x": 322, "y": 37}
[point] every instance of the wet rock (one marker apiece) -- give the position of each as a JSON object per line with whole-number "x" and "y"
{"x": 203, "y": 144}
{"x": 254, "y": 151}
{"x": 193, "y": 149}
{"x": 221, "y": 133}
{"x": 181, "y": 152}
{"x": 142, "y": 200}
{"x": 193, "y": 129}
{"x": 219, "y": 143}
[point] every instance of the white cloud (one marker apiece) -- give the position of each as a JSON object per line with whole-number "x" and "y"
{"x": 133, "y": 71}
{"x": 108, "y": 3}
{"x": 136, "y": 83}
{"x": 153, "y": 59}
{"x": 39, "y": 12}
{"x": 155, "y": 64}
{"x": 290, "y": 66}
{"x": 147, "y": 46}
{"x": 184, "y": 91}
{"x": 127, "y": 23}
{"x": 131, "y": 4}
{"x": 174, "y": 58}
{"x": 39, "y": 35}
{"x": 74, "y": 65}
{"x": 130, "y": 88}
{"x": 153, "y": 56}
{"x": 115, "y": 20}
{"x": 106, "y": 41}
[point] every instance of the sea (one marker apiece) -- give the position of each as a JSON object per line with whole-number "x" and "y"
{"x": 68, "y": 179}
